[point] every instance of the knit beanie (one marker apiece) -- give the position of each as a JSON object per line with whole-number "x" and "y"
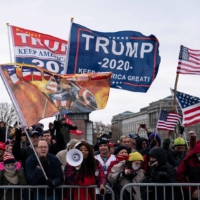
{"x": 72, "y": 142}
{"x": 179, "y": 141}
{"x": 104, "y": 141}
{"x": 119, "y": 148}
{"x": 8, "y": 158}
{"x": 135, "y": 156}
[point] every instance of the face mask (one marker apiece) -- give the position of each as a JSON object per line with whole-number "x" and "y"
{"x": 135, "y": 167}
{"x": 152, "y": 163}
{"x": 11, "y": 168}
{"x": 121, "y": 158}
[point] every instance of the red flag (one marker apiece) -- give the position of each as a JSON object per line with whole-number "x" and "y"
{"x": 77, "y": 132}
{"x": 68, "y": 121}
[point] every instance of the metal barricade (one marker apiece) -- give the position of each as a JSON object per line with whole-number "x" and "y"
{"x": 29, "y": 192}
{"x": 151, "y": 191}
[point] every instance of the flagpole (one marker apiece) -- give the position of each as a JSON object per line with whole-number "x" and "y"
{"x": 175, "y": 88}
{"x": 157, "y": 124}
{"x": 9, "y": 43}
{"x": 36, "y": 155}
{"x": 6, "y": 133}
{"x": 184, "y": 135}
{"x": 68, "y": 49}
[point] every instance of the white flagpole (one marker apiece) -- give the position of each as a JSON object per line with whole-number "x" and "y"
{"x": 68, "y": 49}
{"x": 6, "y": 133}
{"x": 36, "y": 155}
{"x": 8, "y": 27}
{"x": 184, "y": 135}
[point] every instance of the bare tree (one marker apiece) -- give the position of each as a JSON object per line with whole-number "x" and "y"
{"x": 116, "y": 133}
{"x": 100, "y": 128}
{"x": 8, "y": 114}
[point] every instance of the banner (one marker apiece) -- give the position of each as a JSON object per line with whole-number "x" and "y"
{"x": 132, "y": 57}
{"x": 39, "y": 93}
{"x": 45, "y": 51}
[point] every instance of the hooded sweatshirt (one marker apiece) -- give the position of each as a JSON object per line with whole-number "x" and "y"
{"x": 190, "y": 168}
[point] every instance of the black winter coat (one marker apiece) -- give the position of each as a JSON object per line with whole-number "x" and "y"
{"x": 2, "y": 134}
{"x": 53, "y": 171}
{"x": 163, "y": 173}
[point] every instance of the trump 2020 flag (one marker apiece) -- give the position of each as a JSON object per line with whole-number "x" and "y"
{"x": 38, "y": 93}
{"x": 132, "y": 57}
{"x": 190, "y": 106}
{"x": 167, "y": 120}
{"x": 42, "y": 50}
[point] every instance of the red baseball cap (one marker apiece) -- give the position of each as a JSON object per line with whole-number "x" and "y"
{"x": 2, "y": 146}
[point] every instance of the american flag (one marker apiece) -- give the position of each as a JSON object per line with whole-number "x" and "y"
{"x": 167, "y": 121}
{"x": 190, "y": 106}
{"x": 189, "y": 61}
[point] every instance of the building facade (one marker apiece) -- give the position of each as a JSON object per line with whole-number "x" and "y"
{"x": 128, "y": 121}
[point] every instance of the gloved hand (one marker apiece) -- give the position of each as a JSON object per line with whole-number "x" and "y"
{"x": 182, "y": 130}
{"x": 153, "y": 143}
{"x": 19, "y": 166}
{"x": 163, "y": 177}
{"x": 44, "y": 161}
{"x": 18, "y": 134}
{"x": 132, "y": 175}
{"x": 75, "y": 127}
{"x": 50, "y": 184}
{"x": 56, "y": 126}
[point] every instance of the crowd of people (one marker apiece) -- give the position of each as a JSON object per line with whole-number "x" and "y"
{"x": 133, "y": 160}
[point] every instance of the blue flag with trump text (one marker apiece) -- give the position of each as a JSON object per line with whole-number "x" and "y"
{"x": 132, "y": 57}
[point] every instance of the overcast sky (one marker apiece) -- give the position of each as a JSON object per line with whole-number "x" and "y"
{"x": 174, "y": 23}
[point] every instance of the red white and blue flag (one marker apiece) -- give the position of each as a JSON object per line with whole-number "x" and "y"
{"x": 132, "y": 57}
{"x": 167, "y": 120}
{"x": 189, "y": 61}
{"x": 42, "y": 50}
{"x": 190, "y": 106}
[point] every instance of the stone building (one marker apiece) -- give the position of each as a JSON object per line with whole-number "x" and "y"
{"x": 128, "y": 121}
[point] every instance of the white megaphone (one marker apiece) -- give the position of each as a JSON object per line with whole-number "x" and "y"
{"x": 74, "y": 157}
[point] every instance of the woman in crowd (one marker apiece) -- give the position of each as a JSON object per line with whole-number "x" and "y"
{"x": 11, "y": 173}
{"x": 121, "y": 154}
{"x": 125, "y": 172}
{"x": 90, "y": 172}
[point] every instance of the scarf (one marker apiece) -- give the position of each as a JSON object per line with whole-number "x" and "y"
{"x": 121, "y": 158}
{"x": 11, "y": 176}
